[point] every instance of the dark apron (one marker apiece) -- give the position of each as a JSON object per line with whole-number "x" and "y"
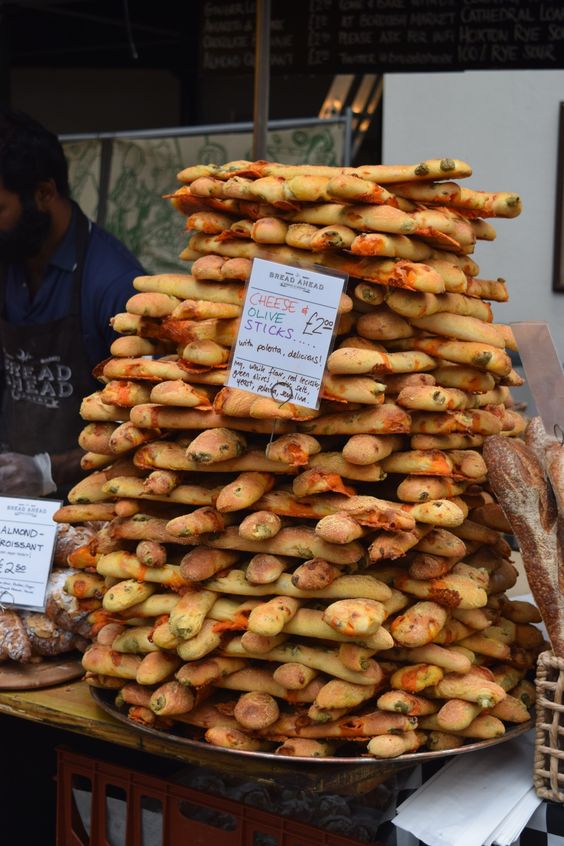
{"x": 46, "y": 373}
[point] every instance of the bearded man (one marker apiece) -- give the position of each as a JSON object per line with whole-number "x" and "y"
{"x": 61, "y": 280}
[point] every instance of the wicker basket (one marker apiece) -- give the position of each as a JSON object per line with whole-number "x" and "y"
{"x": 549, "y": 740}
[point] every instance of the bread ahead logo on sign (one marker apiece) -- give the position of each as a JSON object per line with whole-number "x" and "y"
{"x": 43, "y": 381}
{"x": 286, "y": 332}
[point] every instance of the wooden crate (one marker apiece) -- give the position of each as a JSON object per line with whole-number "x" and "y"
{"x": 183, "y": 815}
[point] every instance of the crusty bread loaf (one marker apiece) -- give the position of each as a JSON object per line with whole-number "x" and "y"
{"x": 536, "y": 439}
{"x": 555, "y": 471}
{"x": 14, "y": 642}
{"x": 520, "y": 484}
{"x": 70, "y": 538}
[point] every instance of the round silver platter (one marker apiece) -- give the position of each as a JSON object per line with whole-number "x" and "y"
{"x": 105, "y": 699}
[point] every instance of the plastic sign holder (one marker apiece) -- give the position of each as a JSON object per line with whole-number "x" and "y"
{"x": 543, "y": 372}
{"x": 27, "y": 547}
{"x": 286, "y": 332}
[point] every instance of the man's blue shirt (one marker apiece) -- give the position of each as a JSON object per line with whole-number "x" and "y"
{"x": 107, "y": 279}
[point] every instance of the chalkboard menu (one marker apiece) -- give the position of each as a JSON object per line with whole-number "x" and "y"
{"x": 377, "y": 36}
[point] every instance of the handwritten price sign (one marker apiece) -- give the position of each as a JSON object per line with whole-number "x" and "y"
{"x": 27, "y": 541}
{"x": 286, "y": 331}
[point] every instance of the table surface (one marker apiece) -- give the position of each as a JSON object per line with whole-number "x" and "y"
{"x": 71, "y": 706}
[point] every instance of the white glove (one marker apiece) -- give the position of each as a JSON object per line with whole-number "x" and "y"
{"x": 43, "y": 461}
{"x": 25, "y": 475}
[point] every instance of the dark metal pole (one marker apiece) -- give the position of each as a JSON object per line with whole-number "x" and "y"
{"x": 262, "y": 79}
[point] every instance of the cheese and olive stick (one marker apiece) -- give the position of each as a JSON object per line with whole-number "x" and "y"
{"x": 270, "y": 617}
{"x": 475, "y": 421}
{"x": 170, "y": 417}
{"x": 452, "y": 440}
{"x": 380, "y": 271}
{"x": 188, "y": 288}
{"x": 95, "y": 409}
{"x": 428, "y": 224}
{"x": 142, "y": 580}
{"x": 480, "y": 355}
{"x": 343, "y": 587}
{"x": 133, "y": 693}
{"x": 446, "y": 658}
{"x": 511, "y": 710}
{"x": 423, "y": 566}
{"x": 85, "y": 586}
{"x": 254, "y": 643}
{"x": 171, "y": 698}
{"x": 256, "y": 710}
{"x": 264, "y": 568}
{"x": 201, "y": 644}
{"x": 482, "y": 727}
{"x": 339, "y": 694}
{"x": 339, "y": 528}
{"x": 394, "y": 745}
{"x": 104, "y": 661}
{"x": 200, "y": 674}
{"x": 383, "y": 324}
{"x": 90, "y": 489}
{"x": 125, "y": 594}
{"x": 525, "y": 691}
{"x": 424, "y": 170}
{"x": 263, "y": 525}
{"x": 188, "y": 614}
{"x": 498, "y": 204}
{"x": 233, "y": 402}
{"x": 392, "y": 545}
{"x": 293, "y": 450}
{"x": 452, "y": 590}
{"x": 354, "y": 389}
{"x": 244, "y": 491}
{"x": 282, "y": 615}
{"x": 350, "y": 360}
{"x": 365, "y": 510}
{"x": 292, "y": 675}
{"x": 257, "y": 679}
{"x": 135, "y": 488}
{"x": 231, "y": 738}
{"x": 413, "y": 305}
{"x": 325, "y": 660}
{"x": 351, "y": 726}
{"x": 424, "y": 488}
{"x": 171, "y": 455}
{"x": 302, "y": 187}
{"x": 135, "y": 640}
{"x": 370, "y": 449}
{"x": 487, "y": 289}
{"x": 419, "y": 624}
{"x": 335, "y": 463}
{"x": 201, "y": 521}
{"x": 301, "y": 747}
{"x": 406, "y": 703}
{"x": 157, "y": 667}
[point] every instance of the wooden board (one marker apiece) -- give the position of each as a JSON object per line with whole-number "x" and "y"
{"x": 44, "y": 673}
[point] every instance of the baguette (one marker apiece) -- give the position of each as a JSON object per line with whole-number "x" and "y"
{"x": 518, "y": 479}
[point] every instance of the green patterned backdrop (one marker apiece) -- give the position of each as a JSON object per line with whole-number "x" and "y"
{"x": 142, "y": 170}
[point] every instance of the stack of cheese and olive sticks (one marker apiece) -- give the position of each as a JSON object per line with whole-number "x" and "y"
{"x": 282, "y": 578}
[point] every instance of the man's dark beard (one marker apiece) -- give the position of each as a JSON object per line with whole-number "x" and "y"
{"x": 25, "y": 239}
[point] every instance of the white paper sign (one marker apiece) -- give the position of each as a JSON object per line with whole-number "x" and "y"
{"x": 286, "y": 332}
{"x": 27, "y": 543}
